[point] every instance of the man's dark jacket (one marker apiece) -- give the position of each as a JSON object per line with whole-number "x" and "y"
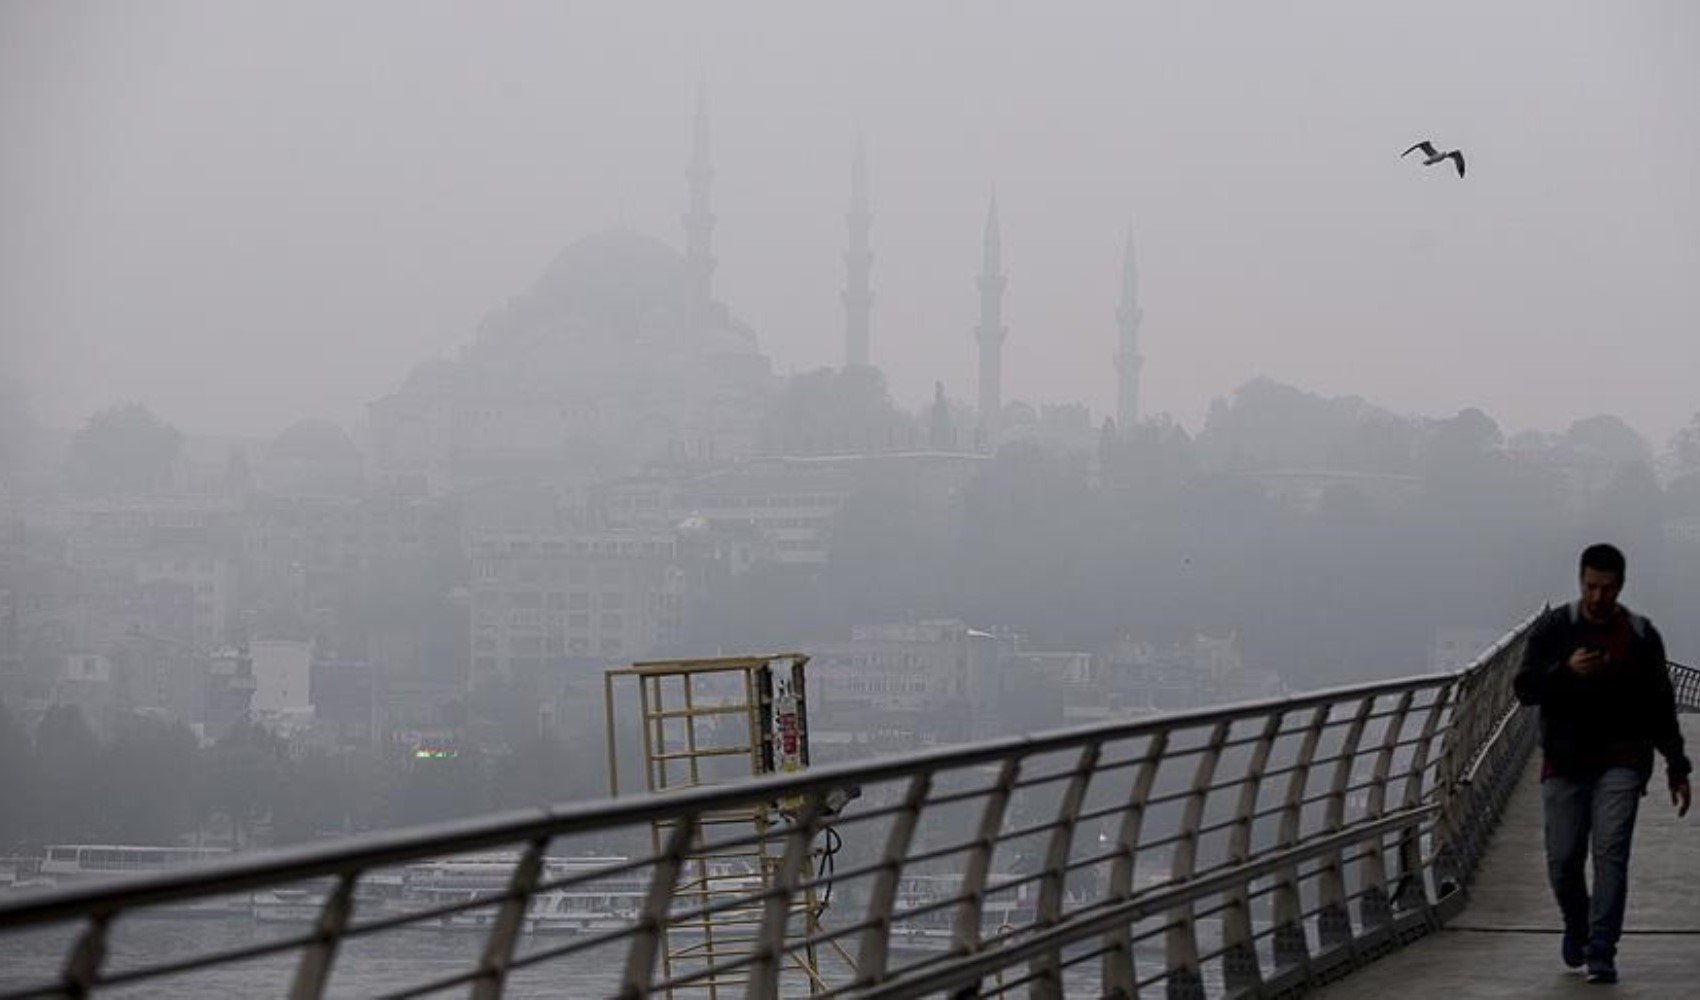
{"x": 1588, "y": 723}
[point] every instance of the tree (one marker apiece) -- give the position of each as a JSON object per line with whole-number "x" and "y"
{"x": 68, "y": 769}
{"x": 1151, "y": 457}
{"x": 17, "y": 429}
{"x": 449, "y": 788}
{"x": 1462, "y": 462}
{"x": 1270, "y": 425}
{"x": 1685, "y": 449}
{"x": 1607, "y": 437}
{"x": 1027, "y": 536}
{"x": 124, "y": 451}
{"x": 314, "y": 794}
{"x": 148, "y": 775}
{"x": 1470, "y": 434}
{"x": 844, "y": 410}
{"x": 18, "y": 783}
{"x": 242, "y": 776}
{"x": 542, "y": 771}
{"x": 889, "y": 548}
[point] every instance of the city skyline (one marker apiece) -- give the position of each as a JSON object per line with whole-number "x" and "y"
{"x": 171, "y": 262}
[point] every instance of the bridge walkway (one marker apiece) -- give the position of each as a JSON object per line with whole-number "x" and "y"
{"x": 1504, "y": 945}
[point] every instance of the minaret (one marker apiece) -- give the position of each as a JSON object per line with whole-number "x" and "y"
{"x": 858, "y": 261}
{"x": 1128, "y": 359}
{"x": 991, "y": 331}
{"x": 699, "y": 221}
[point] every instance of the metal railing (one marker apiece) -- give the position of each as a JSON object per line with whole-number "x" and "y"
{"x": 1686, "y": 682}
{"x": 1252, "y": 850}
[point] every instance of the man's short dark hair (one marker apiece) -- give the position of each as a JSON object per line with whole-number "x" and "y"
{"x": 1603, "y": 558}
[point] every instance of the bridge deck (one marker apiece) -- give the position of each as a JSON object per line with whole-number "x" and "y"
{"x": 1505, "y": 944}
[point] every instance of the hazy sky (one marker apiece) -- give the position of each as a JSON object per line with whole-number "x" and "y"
{"x": 244, "y": 213}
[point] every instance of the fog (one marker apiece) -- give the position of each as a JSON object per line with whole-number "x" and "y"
{"x": 206, "y": 202}
{"x": 377, "y": 376}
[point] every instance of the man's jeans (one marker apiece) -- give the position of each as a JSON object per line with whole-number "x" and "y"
{"x": 1603, "y": 805}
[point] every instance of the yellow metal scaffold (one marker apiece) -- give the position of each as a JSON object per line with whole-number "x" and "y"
{"x": 710, "y": 721}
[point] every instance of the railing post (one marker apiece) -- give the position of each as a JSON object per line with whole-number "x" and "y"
{"x": 876, "y": 938}
{"x": 1046, "y": 969}
{"x": 83, "y": 967}
{"x": 1185, "y": 981}
{"x": 1240, "y": 971}
{"x": 776, "y": 909}
{"x": 317, "y": 958}
{"x": 1463, "y": 736}
{"x": 1240, "y": 958}
{"x": 1120, "y": 980}
{"x": 1411, "y": 874}
{"x": 965, "y": 936}
{"x": 1376, "y": 913}
{"x": 651, "y": 929}
{"x": 510, "y": 920}
{"x": 1334, "y": 922}
{"x": 1290, "y": 946}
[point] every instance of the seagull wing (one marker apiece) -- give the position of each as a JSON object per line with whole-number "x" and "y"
{"x": 1457, "y": 157}
{"x": 1426, "y": 146}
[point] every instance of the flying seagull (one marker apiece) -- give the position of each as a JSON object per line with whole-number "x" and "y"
{"x": 1434, "y": 157}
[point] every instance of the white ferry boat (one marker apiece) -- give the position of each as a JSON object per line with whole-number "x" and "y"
{"x": 586, "y": 907}
{"x": 71, "y": 864}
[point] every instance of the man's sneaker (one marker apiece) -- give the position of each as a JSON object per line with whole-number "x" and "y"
{"x": 1602, "y": 970}
{"x": 1575, "y": 953}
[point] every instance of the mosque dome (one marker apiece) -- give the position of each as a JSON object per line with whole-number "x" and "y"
{"x": 616, "y": 285}
{"x": 615, "y": 271}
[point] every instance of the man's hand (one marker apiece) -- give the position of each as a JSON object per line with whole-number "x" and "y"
{"x": 1585, "y": 662}
{"x": 1681, "y": 796}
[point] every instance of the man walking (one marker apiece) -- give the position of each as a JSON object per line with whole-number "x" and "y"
{"x": 1597, "y": 671}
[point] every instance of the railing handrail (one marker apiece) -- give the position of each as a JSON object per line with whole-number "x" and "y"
{"x": 453, "y": 837}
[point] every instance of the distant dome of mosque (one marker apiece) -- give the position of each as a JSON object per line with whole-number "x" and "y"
{"x": 617, "y": 272}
